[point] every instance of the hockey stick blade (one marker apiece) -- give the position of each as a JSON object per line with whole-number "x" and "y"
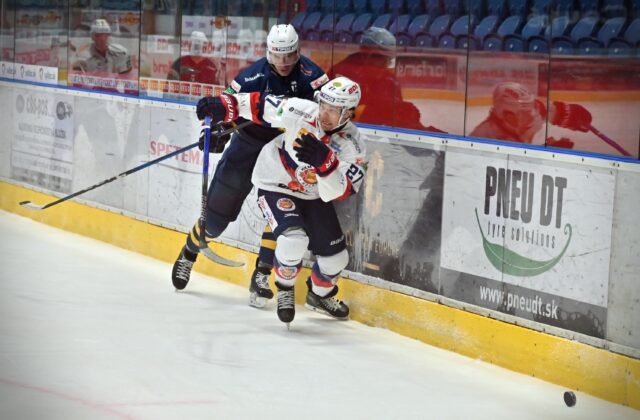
{"x": 207, "y": 252}
{"x": 31, "y": 206}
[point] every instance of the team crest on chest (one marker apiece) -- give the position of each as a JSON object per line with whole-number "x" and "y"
{"x": 306, "y": 176}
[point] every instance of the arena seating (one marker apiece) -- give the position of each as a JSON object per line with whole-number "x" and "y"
{"x": 565, "y": 27}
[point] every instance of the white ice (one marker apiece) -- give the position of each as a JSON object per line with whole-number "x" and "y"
{"x": 91, "y": 331}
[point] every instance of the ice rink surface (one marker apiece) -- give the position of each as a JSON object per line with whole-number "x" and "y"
{"x": 91, "y": 331}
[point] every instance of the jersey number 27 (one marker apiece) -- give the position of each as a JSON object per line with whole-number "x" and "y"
{"x": 354, "y": 173}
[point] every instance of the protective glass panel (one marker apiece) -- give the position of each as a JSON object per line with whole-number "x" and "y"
{"x": 40, "y": 41}
{"x": 7, "y": 38}
{"x": 508, "y": 72}
{"x": 594, "y": 95}
{"x": 159, "y": 48}
{"x": 104, "y": 47}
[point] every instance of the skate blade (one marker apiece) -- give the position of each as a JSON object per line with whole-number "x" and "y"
{"x": 323, "y": 312}
{"x": 257, "y": 301}
{"x": 288, "y": 326}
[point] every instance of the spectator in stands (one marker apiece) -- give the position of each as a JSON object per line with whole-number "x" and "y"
{"x": 195, "y": 67}
{"x": 374, "y": 67}
{"x": 104, "y": 56}
{"x": 517, "y": 115}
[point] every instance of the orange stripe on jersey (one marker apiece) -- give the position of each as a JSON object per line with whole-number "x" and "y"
{"x": 255, "y": 107}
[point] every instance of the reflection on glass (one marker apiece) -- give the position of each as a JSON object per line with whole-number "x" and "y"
{"x": 7, "y": 38}
{"x": 104, "y": 56}
{"x": 508, "y": 74}
{"x": 199, "y": 69}
{"x": 594, "y": 65}
{"x": 40, "y": 34}
{"x": 517, "y": 115}
{"x": 195, "y": 66}
{"x": 105, "y": 43}
{"x": 159, "y": 48}
{"x": 368, "y": 46}
{"x": 373, "y": 65}
{"x": 431, "y": 63}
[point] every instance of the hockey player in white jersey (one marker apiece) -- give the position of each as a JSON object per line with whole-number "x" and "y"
{"x": 319, "y": 158}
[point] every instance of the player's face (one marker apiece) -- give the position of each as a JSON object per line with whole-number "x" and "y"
{"x": 329, "y": 116}
{"x": 283, "y": 63}
{"x": 101, "y": 41}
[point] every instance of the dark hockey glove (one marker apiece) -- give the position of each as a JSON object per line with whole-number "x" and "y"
{"x": 571, "y": 116}
{"x": 219, "y": 108}
{"x": 217, "y": 143}
{"x": 317, "y": 154}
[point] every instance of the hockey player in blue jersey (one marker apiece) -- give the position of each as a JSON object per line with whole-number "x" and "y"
{"x": 282, "y": 72}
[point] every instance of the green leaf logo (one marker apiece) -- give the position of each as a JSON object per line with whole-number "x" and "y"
{"x": 509, "y": 262}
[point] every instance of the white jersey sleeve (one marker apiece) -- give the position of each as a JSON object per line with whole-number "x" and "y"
{"x": 275, "y": 111}
{"x": 349, "y": 175}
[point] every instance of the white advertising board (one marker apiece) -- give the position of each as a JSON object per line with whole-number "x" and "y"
{"x": 530, "y": 224}
{"x": 43, "y": 133}
{"x": 175, "y": 185}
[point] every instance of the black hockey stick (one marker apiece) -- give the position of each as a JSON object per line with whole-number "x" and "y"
{"x": 202, "y": 222}
{"x": 32, "y": 206}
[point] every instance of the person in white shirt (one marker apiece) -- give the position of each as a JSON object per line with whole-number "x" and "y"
{"x": 104, "y": 56}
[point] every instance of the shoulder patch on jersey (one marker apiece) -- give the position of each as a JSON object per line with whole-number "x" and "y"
{"x": 305, "y": 71}
{"x": 320, "y": 81}
{"x": 235, "y": 86}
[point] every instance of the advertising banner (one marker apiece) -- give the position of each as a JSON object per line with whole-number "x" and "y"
{"x": 7, "y": 69}
{"x": 42, "y": 144}
{"x": 539, "y": 234}
{"x": 392, "y": 225}
{"x": 34, "y": 73}
{"x": 175, "y": 184}
{"x": 176, "y": 89}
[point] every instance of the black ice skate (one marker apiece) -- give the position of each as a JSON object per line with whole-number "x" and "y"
{"x": 327, "y": 305}
{"x": 286, "y": 304}
{"x": 259, "y": 289}
{"x": 182, "y": 268}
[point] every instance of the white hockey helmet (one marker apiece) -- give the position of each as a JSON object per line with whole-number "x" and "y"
{"x": 283, "y": 41}
{"x": 341, "y": 92}
{"x": 514, "y": 105}
{"x": 198, "y": 41}
{"x": 100, "y": 26}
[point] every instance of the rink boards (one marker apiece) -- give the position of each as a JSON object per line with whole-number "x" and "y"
{"x": 522, "y": 257}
